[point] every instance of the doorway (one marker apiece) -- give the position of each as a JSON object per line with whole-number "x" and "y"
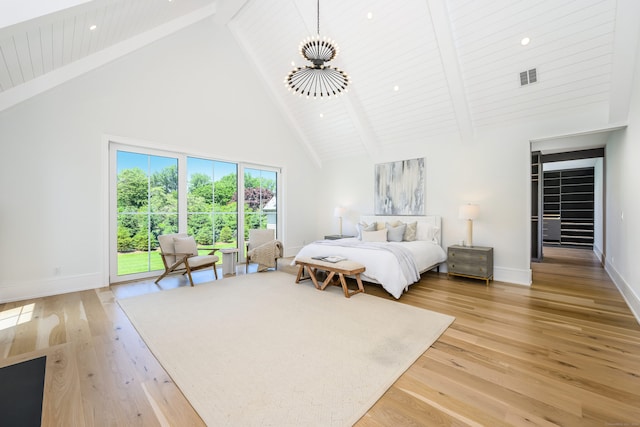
{"x": 567, "y": 200}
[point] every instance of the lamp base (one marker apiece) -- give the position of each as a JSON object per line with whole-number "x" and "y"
{"x": 469, "y": 241}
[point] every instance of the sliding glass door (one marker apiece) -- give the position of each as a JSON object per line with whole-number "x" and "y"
{"x": 260, "y": 199}
{"x": 147, "y": 205}
{"x": 212, "y": 203}
{"x": 156, "y": 192}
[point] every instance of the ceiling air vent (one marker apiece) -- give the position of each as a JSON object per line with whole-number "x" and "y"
{"x": 527, "y": 77}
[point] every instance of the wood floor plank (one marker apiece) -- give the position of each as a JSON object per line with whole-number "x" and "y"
{"x": 61, "y": 404}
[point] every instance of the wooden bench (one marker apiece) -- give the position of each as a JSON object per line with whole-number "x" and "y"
{"x": 341, "y": 268}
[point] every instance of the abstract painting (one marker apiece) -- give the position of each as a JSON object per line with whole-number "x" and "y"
{"x": 400, "y": 188}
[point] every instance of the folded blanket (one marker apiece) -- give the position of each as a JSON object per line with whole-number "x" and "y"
{"x": 266, "y": 254}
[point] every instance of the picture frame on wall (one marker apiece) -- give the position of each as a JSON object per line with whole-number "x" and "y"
{"x": 400, "y": 187}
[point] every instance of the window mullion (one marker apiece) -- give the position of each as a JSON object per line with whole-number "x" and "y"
{"x": 182, "y": 193}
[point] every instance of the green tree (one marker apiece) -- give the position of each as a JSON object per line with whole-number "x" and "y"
{"x": 225, "y": 189}
{"x": 132, "y": 189}
{"x": 166, "y": 179}
{"x": 226, "y": 235}
{"x": 201, "y": 185}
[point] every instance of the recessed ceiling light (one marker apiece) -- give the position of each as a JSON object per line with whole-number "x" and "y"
{"x": 321, "y": 115}
{"x": 370, "y": 15}
{"x": 93, "y": 27}
{"x": 525, "y": 41}
{"x": 293, "y": 63}
{"x": 396, "y": 88}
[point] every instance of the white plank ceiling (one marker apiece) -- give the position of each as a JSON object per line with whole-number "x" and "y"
{"x": 421, "y": 70}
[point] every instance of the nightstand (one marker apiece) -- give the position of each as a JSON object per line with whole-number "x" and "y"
{"x": 470, "y": 261}
{"x": 337, "y": 236}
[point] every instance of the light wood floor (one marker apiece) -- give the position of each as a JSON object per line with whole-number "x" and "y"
{"x": 565, "y": 351}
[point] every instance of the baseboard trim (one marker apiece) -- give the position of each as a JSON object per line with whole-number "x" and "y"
{"x": 599, "y": 254}
{"x": 44, "y": 288}
{"x": 512, "y": 275}
{"x": 631, "y": 298}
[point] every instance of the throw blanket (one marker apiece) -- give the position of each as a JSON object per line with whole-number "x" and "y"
{"x": 266, "y": 254}
{"x": 405, "y": 259}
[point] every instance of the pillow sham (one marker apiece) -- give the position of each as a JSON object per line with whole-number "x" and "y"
{"x": 427, "y": 232}
{"x": 185, "y": 245}
{"x": 374, "y": 236}
{"x": 395, "y": 233}
{"x": 383, "y": 225}
{"x": 363, "y": 226}
{"x": 410, "y": 232}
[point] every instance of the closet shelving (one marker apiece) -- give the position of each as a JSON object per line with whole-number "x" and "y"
{"x": 568, "y": 207}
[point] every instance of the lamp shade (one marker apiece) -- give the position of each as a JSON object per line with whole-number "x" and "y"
{"x": 339, "y": 212}
{"x": 468, "y": 211}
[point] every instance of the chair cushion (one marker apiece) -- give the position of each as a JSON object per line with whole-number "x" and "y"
{"x": 185, "y": 245}
{"x": 201, "y": 260}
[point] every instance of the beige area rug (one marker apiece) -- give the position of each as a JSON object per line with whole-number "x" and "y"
{"x": 259, "y": 350}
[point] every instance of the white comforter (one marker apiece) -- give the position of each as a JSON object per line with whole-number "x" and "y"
{"x": 381, "y": 266}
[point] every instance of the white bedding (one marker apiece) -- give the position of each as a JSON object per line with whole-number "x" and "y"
{"x": 382, "y": 266}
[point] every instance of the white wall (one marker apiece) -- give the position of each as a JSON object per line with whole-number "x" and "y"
{"x": 191, "y": 92}
{"x": 622, "y": 204}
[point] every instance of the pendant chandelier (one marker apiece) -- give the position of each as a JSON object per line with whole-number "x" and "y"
{"x": 317, "y": 80}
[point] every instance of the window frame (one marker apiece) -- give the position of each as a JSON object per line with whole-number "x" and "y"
{"x": 113, "y": 146}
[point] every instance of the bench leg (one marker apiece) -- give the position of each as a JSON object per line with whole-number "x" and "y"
{"x": 328, "y": 280}
{"x": 360, "y": 286}
{"x": 300, "y": 276}
{"x": 312, "y": 274}
{"x": 346, "y": 291}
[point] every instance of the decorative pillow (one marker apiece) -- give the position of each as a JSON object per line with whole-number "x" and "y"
{"x": 363, "y": 226}
{"x": 410, "y": 232}
{"x": 395, "y": 234}
{"x": 427, "y": 232}
{"x": 374, "y": 236}
{"x": 384, "y": 225}
{"x": 185, "y": 245}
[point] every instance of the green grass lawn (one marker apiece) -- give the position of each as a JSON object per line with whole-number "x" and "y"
{"x": 140, "y": 262}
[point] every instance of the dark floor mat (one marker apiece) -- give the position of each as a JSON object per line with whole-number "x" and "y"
{"x": 21, "y": 388}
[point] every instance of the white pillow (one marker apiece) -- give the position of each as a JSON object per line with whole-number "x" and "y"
{"x": 374, "y": 236}
{"x": 185, "y": 245}
{"x": 427, "y": 232}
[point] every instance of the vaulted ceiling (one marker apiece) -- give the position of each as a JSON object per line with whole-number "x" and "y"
{"x": 420, "y": 69}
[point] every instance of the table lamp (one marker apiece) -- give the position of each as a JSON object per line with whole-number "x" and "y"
{"x": 469, "y": 212}
{"x": 339, "y": 213}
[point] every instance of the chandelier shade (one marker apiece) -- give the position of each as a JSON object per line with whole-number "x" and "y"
{"x": 317, "y": 80}
{"x": 321, "y": 81}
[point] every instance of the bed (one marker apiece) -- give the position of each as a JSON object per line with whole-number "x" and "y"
{"x": 394, "y": 264}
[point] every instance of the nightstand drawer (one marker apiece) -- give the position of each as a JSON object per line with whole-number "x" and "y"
{"x": 466, "y": 256}
{"x": 470, "y": 269}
